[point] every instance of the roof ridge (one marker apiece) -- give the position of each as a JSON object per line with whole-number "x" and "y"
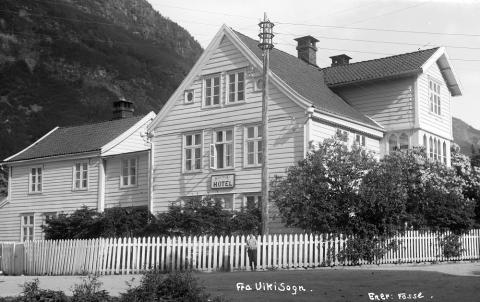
{"x": 383, "y": 58}
{"x": 101, "y": 122}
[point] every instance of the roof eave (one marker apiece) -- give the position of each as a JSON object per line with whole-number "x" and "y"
{"x": 361, "y": 81}
{"x": 55, "y": 157}
{"x": 441, "y": 58}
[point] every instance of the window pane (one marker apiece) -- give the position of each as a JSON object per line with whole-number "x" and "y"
{"x": 133, "y": 180}
{"x": 260, "y": 131}
{"x": 228, "y": 155}
{"x": 219, "y": 136}
{"x": 219, "y": 156}
{"x": 188, "y": 165}
{"x": 31, "y": 219}
{"x": 84, "y": 183}
{"x": 198, "y": 139}
{"x": 188, "y": 140}
{"x": 259, "y": 152}
{"x": 25, "y": 220}
{"x": 33, "y": 172}
{"x": 229, "y": 135}
{"x": 39, "y": 187}
{"x": 250, "y": 132}
{"x": 39, "y": 171}
{"x": 216, "y": 81}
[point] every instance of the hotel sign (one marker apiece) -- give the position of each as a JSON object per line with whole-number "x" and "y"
{"x": 224, "y": 181}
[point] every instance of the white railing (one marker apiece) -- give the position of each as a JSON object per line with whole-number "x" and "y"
{"x": 209, "y": 253}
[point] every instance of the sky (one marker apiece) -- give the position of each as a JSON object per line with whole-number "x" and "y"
{"x": 362, "y": 29}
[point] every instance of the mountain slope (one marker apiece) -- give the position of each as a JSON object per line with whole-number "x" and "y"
{"x": 64, "y": 62}
{"x": 465, "y": 136}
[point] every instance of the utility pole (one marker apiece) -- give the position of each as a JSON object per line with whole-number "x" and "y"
{"x": 266, "y": 43}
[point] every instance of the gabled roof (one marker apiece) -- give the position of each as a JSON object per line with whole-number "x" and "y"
{"x": 308, "y": 81}
{"x": 391, "y": 67}
{"x": 78, "y": 139}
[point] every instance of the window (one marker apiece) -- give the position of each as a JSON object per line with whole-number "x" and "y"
{"x": 444, "y": 153}
{"x": 129, "y": 172}
{"x": 226, "y": 200}
{"x": 403, "y": 141}
{"x": 342, "y": 135}
{"x": 431, "y": 147}
{"x": 35, "y": 180}
{"x": 253, "y": 201}
{"x": 435, "y": 97}
{"x": 253, "y": 143}
{"x": 189, "y": 96}
{"x": 80, "y": 176}
{"x": 212, "y": 91}
{"x": 425, "y": 142}
{"x": 392, "y": 143}
{"x": 27, "y": 227}
{"x": 221, "y": 151}
{"x": 360, "y": 140}
{"x": 236, "y": 87}
{"x": 192, "y": 152}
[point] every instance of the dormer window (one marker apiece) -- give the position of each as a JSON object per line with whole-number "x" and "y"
{"x": 435, "y": 103}
{"x": 211, "y": 96}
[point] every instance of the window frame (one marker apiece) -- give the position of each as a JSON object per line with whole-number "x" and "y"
{"x": 30, "y": 225}
{"x": 204, "y": 90}
{"x": 222, "y": 195}
{"x": 435, "y": 97}
{"x": 38, "y": 184}
{"x": 185, "y": 96}
{"x": 192, "y": 147}
{"x": 74, "y": 179}
{"x": 213, "y": 149}
{"x": 129, "y": 176}
{"x": 236, "y": 82}
{"x": 257, "y": 145}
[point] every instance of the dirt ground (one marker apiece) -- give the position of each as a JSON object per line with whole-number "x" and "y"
{"x": 421, "y": 282}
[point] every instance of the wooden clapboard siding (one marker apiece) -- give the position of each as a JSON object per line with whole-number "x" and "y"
{"x": 388, "y": 102}
{"x": 57, "y": 194}
{"x": 129, "y": 196}
{"x": 285, "y": 135}
{"x": 437, "y": 124}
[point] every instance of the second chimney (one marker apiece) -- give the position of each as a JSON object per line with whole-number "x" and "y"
{"x": 339, "y": 60}
{"x": 307, "y": 51}
{"x": 122, "y": 109}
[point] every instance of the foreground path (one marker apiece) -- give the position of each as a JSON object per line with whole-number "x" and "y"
{"x": 439, "y": 282}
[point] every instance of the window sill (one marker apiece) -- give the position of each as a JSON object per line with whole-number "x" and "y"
{"x": 233, "y": 104}
{"x": 129, "y": 186}
{"x": 80, "y": 190}
{"x": 35, "y": 193}
{"x": 223, "y": 169}
{"x": 192, "y": 172}
{"x": 211, "y": 107}
{"x": 251, "y": 167}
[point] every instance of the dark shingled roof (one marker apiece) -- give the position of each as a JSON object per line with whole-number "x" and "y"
{"x": 394, "y": 66}
{"x": 308, "y": 81}
{"x": 77, "y": 139}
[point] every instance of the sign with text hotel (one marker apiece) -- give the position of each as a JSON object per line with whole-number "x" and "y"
{"x": 224, "y": 181}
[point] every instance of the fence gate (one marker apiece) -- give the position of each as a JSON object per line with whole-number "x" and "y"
{"x": 11, "y": 258}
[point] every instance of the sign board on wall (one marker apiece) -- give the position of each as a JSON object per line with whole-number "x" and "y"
{"x": 224, "y": 181}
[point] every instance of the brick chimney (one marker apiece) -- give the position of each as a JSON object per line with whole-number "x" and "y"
{"x": 307, "y": 50}
{"x": 122, "y": 109}
{"x": 339, "y": 60}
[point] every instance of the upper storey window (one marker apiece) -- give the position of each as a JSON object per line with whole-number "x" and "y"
{"x": 434, "y": 88}
{"x": 236, "y": 87}
{"x": 35, "y": 185}
{"x": 212, "y": 91}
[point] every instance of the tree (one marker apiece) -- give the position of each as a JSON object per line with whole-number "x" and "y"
{"x": 320, "y": 193}
{"x": 3, "y": 181}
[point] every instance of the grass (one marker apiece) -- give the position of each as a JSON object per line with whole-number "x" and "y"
{"x": 343, "y": 285}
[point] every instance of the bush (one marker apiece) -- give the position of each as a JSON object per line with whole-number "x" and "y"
{"x": 452, "y": 246}
{"x": 368, "y": 249}
{"x": 89, "y": 291}
{"x": 176, "y": 286}
{"x": 31, "y": 292}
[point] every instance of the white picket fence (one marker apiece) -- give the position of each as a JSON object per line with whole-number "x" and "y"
{"x": 207, "y": 253}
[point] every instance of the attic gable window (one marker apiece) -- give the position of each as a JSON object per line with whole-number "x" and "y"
{"x": 236, "y": 87}
{"x": 211, "y": 93}
{"x": 434, "y": 88}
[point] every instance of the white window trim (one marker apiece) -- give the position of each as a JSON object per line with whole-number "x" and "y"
{"x": 245, "y": 146}
{"x": 129, "y": 185}
{"x": 213, "y": 159}
{"x": 204, "y": 88}
{"x": 81, "y": 175}
{"x": 227, "y": 87}
{"x": 22, "y": 225}
{"x": 184, "y": 146}
{"x": 36, "y": 191}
